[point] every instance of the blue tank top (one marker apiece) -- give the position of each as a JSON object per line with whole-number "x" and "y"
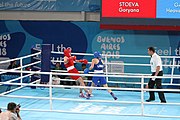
{"x": 99, "y": 66}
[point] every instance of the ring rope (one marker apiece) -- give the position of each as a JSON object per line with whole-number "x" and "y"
{"x": 113, "y": 73}
{"x": 22, "y": 86}
{"x": 126, "y": 64}
{"x": 15, "y": 79}
{"x": 98, "y": 75}
{"x": 133, "y": 56}
{"x": 103, "y": 88}
{"x": 117, "y": 82}
{"x": 27, "y": 56}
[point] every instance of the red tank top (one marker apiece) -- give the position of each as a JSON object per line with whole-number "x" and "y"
{"x": 70, "y": 63}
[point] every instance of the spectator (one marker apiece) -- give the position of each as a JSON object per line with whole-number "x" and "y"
{"x": 13, "y": 65}
{"x": 12, "y": 112}
{"x": 83, "y": 67}
{"x": 58, "y": 67}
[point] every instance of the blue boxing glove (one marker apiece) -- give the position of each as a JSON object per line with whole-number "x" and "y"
{"x": 88, "y": 65}
{"x": 86, "y": 71}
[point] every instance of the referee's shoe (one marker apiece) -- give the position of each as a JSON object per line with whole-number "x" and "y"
{"x": 149, "y": 100}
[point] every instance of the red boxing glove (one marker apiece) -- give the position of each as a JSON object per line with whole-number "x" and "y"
{"x": 83, "y": 61}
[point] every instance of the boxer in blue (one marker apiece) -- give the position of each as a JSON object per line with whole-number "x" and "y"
{"x": 98, "y": 66}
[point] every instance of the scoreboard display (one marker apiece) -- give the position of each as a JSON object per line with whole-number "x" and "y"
{"x": 141, "y": 14}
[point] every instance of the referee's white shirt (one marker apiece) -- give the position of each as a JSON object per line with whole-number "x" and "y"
{"x": 155, "y": 61}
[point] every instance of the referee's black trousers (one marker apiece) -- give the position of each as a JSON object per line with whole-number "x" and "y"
{"x": 158, "y": 83}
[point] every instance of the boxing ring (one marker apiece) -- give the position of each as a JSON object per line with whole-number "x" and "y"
{"x": 62, "y": 101}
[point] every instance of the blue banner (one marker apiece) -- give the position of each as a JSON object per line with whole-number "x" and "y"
{"x": 51, "y": 5}
{"x": 87, "y": 37}
{"x": 168, "y": 9}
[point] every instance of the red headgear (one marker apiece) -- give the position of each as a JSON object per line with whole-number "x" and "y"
{"x": 67, "y": 52}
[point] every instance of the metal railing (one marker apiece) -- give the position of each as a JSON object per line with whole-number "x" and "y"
{"x": 50, "y": 86}
{"x": 107, "y": 75}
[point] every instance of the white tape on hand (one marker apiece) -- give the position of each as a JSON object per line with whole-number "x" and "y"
{"x": 153, "y": 78}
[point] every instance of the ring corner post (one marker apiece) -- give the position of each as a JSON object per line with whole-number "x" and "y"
{"x": 142, "y": 96}
{"x": 45, "y": 62}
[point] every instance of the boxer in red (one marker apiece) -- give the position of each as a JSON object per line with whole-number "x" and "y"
{"x": 69, "y": 64}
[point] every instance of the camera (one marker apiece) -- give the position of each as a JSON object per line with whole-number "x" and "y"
{"x": 18, "y": 106}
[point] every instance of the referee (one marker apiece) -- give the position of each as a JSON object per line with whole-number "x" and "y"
{"x": 156, "y": 69}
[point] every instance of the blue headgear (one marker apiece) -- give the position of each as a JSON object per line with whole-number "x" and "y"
{"x": 97, "y": 55}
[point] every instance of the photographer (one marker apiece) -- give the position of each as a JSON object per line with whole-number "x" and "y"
{"x": 12, "y": 112}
